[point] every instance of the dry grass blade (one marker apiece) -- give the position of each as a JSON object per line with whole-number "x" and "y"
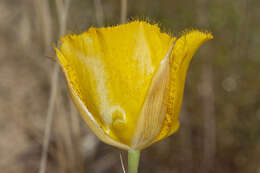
{"x": 49, "y": 120}
{"x": 62, "y": 8}
{"x": 123, "y": 11}
{"x": 99, "y": 12}
{"x": 122, "y": 163}
{"x": 43, "y": 12}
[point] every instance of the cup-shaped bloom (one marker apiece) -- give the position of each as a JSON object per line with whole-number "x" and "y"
{"x": 127, "y": 81}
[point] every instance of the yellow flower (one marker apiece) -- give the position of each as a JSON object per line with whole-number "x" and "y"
{"x": 127, "y": 81}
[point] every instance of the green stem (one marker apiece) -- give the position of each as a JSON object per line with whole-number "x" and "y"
{"x": 133, "y": 161}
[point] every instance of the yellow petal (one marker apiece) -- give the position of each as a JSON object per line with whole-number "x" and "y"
{"x": 92, "y": 123}
{"x": 153, "y": 111}
{"x": 183, "y": 51}
{"x": 111, "y": 69}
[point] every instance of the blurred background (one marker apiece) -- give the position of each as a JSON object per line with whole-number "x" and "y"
{"x": 220, "y": 115}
